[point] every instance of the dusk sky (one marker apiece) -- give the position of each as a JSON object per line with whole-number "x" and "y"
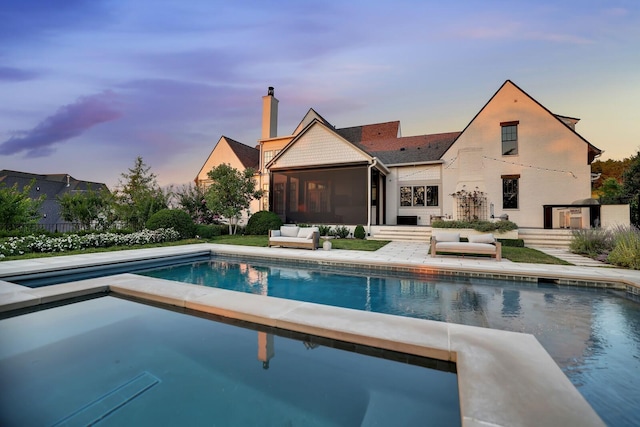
{"x": 86, "y": 86}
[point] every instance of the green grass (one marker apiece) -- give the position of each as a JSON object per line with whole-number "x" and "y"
{"x": 349, "y": 244}
{"x": 514, "y": 254}
{"x": 356, "y": 244}
{"x": 529, "y": 255}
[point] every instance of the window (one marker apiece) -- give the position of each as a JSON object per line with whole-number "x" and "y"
{"x": 509, "y": 138}
{"x": 510, "y": 191}
{"x": 269, "y": 155}
{"x": 419, "y": 195}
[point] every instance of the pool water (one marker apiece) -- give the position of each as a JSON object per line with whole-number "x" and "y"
{"x": 124, "y": 363}
{"x": 593, "y": 335}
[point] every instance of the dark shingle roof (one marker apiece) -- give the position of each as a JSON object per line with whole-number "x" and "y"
{"x": 51, "y": 185}
{"x": 412, "y": 149}
{"x": 248, "y": 156}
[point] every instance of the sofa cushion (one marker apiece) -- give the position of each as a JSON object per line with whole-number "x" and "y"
{"x": 305, "y": 232}
{"x": 289, "y": 231}
{"x": 482, "y": 238}
{"x": 447, "y": 237}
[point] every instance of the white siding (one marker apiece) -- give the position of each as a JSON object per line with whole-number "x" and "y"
{"x": 551, "y": 159}
{"x": 318, "y": 146}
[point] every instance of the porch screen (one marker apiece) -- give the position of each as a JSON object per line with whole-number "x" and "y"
{"x": 321, "y": 196}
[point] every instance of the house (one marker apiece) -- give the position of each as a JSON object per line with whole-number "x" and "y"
{"x": 51, "y": 186}
{"x": 515, "y": 159}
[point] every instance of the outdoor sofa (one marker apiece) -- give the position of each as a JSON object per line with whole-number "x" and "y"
{"x": 292, "y": 236}
{"x": 478, "y": 244}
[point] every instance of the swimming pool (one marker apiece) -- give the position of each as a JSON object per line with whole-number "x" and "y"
{"x": 593, "y": 335}
{"x": 127, "y": 363}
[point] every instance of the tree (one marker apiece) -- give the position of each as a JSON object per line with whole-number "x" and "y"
{"x": 231, "y": 192}
{"x": 631, "y": 188}
{"x": 609, "y": 169}
{"x": 139, "y": 196}
{"x": 191, "y": 199}
{"x": 85, "y": 207}
{"x": 610, "y": 193}
{"x": 17, "y": 208}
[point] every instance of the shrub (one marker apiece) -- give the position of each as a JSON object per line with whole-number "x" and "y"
{"x": 70, "y": 242}
{"x": 483, "y": 226}
{"x": 177, "y": 219}
{"x": 514, "y": 243}
{"x": 626, "y": 248}
{"x": 324, "y": 230}
{"x": 591, "y": 241}
{"x": 341, "y": 232}
{"x": 263, "y": 221}
{"x": 209, "y": 231}
{"x": 359, "y": 232}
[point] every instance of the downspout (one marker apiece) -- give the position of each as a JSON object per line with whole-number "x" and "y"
{"x": 375, "y": 162}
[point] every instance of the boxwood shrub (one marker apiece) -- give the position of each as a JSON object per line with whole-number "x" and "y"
{"x": 261, "y": 222}
{"x": 177, "y": 219}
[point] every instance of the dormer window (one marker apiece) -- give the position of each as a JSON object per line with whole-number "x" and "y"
{"x": 509, "y": 138}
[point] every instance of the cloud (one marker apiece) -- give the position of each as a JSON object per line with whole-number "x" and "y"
{"x": 16, "y": 74}
{"x": 68, "y": 122}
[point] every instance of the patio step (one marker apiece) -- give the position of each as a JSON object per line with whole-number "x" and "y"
{"x": 544, "y": 238}
{"x": 404, "y": 233}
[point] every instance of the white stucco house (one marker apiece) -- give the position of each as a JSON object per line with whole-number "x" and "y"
{"x": 521, "y": 160}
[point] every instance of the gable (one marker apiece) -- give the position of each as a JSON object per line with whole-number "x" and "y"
{"x": 234, "y": 153}
{"x": 318, "y": 145}
{"x": 308, "y": 119}
{"x": 510, "y": 103}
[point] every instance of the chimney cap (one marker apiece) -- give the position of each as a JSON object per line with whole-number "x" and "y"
{"x": 270, "y": 91}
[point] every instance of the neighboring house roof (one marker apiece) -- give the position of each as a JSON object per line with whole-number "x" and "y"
{"x": 51, "y": 186}
{"x": 592, "y": 149}
{"x": 248, "y": 156}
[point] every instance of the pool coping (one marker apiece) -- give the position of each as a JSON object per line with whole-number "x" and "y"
{"x": 504, "y": 378}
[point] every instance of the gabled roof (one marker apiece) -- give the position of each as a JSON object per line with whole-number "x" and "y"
{"x": 308, "y": 118}
{"x": 316, "y": 122}
{"x": 248, "y": 156}
{"x": 592, "y": 149}
{"x": 49, "y": 185}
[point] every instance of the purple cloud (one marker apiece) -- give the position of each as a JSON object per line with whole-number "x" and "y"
{"x": 68, "y": 122}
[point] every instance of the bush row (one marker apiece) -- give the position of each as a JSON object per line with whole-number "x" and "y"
{"x": 620, "y": 246}
{"x": 482, "y": 226}
{"x": 70, "y": 242}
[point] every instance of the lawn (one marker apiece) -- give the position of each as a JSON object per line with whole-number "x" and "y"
{"x": 514, "y": 254}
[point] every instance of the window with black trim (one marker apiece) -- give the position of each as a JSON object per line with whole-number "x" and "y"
{"x": 509, "y": 138}
{"x": 510, "y": 191}
{"x": 418, "y": 195}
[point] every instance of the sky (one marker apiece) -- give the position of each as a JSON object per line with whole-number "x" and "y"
{"x": 87, "y": 86}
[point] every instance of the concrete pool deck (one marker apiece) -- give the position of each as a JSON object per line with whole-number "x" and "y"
{"x": 504, "y": 378}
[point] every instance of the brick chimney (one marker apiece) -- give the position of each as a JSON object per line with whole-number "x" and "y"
{"x": 269, "y": 115}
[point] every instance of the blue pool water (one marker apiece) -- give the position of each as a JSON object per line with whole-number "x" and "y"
{"x": 123, "y": 363}
{"x": 593, "y": 335}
